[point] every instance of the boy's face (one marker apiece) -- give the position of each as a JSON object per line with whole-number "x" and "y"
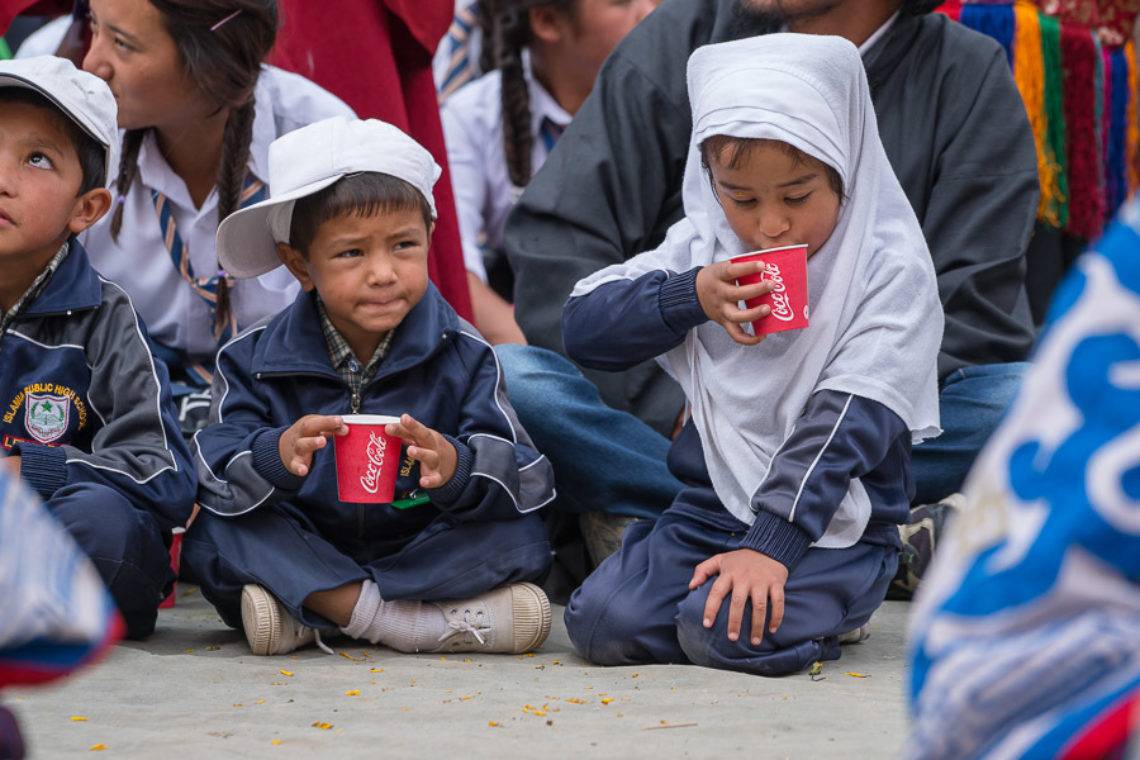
{"x": 770, "y": 199}
{"x": 40, "y": 177}
{"x": 369, "y": 271}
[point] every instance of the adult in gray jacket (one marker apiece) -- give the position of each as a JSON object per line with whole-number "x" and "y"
{"x": 956, "y": 134}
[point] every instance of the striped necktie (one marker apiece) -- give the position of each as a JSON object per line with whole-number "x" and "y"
{"x": 206, "y": 288}
{"x": 456, "y": 44}
{"x": 550, "y": 132}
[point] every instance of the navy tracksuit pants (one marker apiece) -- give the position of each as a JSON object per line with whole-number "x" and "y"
{"x": 279, "y": 548}
{"x": 126, "y": 546}
{"x": 636, "y": 607}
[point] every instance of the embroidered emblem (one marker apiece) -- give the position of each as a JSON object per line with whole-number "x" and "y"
{"x": 46, "y": 415}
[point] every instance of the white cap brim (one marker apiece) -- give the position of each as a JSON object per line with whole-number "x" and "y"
{"x": 246, "y": 243}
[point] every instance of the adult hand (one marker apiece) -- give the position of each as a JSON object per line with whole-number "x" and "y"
{"x": 12, "y": 463}
{"x": 436, "y": 455}
{"x": 719, "y": 295}
{"x": 746, "y": 575}
{"x": 306, "y": 435}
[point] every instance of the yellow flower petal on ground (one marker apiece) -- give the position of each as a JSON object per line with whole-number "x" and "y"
{"x": 352, "y": 693}
{"x": 286, "y": 673}
{"x": 98, "y": 747}
{"x": 77, "y": 717}
{"x": 856, "y": 675}
{"x": 275, "y": 741}
{"x": 493, "y": 723}
{"x": 321, "y": 725}
{"x": 607, "y": 700}
{"x": 376, "y": 670}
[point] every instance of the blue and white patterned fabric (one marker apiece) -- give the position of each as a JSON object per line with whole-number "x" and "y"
{"x": 55, "y": 612}
{"x": 1025, "y": 639}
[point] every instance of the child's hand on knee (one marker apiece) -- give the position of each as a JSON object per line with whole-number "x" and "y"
{"x": 746, "y": 575}
{"x": 297, "y": 444}
{"x": 720, "y": 296}
{"x": 12, "y": 463}
{"x": 436, "y": 455}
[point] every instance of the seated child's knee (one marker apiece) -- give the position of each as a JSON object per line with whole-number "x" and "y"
{"x": 97, "y": 514}
{"x": 600, "y": 628}
{"x": 697, "y": 642}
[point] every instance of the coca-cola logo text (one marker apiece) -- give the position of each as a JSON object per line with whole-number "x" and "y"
{"x": 781, "y": 304}
{"x": 370, "y": 480}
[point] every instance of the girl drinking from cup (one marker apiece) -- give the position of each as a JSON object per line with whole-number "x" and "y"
{"x": 796, "y": 455}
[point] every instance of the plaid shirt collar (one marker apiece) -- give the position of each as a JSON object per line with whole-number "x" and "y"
{"x": 343, "y": 359}
{"x": 36, "y": 287}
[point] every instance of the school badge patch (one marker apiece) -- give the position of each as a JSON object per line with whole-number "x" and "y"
{"x": 45, "y": 416}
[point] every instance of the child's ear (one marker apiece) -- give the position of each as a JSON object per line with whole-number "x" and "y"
{"x": 430, "y": 231}
{"x": 89, "y": 208}
{"x": 546, "y": 23}
{"x": 295, "y": 262}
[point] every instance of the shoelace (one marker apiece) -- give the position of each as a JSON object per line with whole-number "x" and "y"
{"x": 456, "y": 627}
{"x": 324, "y": 647}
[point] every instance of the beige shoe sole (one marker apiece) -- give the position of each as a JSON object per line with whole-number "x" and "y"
{"x": 531, "y": 611}
{"x": 261, "y": 619}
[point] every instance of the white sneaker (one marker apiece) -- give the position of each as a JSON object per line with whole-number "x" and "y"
{"x": 514, "y": 619}
{"x": 269, "y": 629}
{"x": 862, "y": 633}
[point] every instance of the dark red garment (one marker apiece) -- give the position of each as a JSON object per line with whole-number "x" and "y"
{"x": 9, "y": 9}
{"x": 376, "y": 56}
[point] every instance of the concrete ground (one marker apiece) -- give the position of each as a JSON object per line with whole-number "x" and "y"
{"x": 194, "y": 691}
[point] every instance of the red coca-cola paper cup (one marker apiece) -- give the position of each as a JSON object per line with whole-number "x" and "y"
{"x": 787, "y": 267}
{"x": 175, "y": 564}
{"x": 367, "y": 460}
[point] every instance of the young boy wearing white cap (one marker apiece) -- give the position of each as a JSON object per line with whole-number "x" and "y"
{"x": 86, "y": 418}
{"x": 448, "y": 565}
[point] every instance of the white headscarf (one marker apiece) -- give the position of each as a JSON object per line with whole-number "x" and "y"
{"x": 876, "y": 321}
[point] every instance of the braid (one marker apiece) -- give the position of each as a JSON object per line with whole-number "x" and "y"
{"x": 486, "y": 12}
{"x": 235, "y": 154}
{"x": 128, "y": 170}
{"x": 231, "y": 179}
{"x": 510, "y": 36}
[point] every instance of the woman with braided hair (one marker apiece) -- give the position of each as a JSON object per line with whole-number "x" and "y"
{"x": 198, "y": 109}
{"x": 542, "y": 57}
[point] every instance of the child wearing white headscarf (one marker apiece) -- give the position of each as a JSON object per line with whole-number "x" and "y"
{"x": 797, "y": 452}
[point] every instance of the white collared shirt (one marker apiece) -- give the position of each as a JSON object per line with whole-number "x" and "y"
{"x": 878, "y": 34}
{"x": 140, "y": 262}
{"x": 473, "y": 128}
{"x": 875, "y": 36}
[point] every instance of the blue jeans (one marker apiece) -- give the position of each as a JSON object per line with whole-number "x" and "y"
{"x": 604, "y": 460}
{"x": 611, "y": 461}
{"x": 972, "y": 402}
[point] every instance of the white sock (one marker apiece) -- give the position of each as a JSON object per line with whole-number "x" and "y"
{"x": 403, "y": 625}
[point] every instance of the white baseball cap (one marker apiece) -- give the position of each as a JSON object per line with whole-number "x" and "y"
{"x": 83, "y": 97}
{"x": 310, "y": 159}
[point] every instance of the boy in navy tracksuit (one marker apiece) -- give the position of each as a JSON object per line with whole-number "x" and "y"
{"x": 85, "y": 412}
{"x": 276, "y": 550}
